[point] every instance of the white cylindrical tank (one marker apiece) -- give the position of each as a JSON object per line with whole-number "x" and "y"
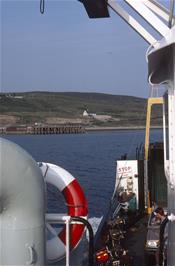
{"x": 22, "y": 208}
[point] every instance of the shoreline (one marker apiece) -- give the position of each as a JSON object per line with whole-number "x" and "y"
{"x": 72, "y": 130}
{"x": 88, "y": 129}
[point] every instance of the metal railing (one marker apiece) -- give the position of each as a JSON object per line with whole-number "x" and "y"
{"x": 68, "y": 220}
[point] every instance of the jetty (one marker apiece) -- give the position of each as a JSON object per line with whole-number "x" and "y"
{"x": 42, "y": 129}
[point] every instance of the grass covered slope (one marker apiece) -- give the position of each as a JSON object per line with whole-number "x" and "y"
{"x": 49, "y": 106}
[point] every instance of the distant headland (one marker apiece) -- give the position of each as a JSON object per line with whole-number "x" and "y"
{"x": 88, "y": 111}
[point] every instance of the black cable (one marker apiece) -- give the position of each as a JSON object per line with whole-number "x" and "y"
{"x": 42, "y": 6}
{"x": 91, "y": 237}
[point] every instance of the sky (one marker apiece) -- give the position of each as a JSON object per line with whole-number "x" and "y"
{"x": 64, "y": 50}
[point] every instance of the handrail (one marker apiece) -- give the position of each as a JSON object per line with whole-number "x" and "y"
{"x": 65, "y": 219}
{"x": 61, "y": 219}
{"x": 91, "y": 237}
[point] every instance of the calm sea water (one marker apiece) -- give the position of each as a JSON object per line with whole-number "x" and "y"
{"x": 91, "y": 158}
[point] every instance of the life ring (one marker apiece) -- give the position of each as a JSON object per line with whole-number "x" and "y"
{"x": 76, "y": 204}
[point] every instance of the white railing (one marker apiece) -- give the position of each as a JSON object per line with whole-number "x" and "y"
{"x": 62, "y": 219}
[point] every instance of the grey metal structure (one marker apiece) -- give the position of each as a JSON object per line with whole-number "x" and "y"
{"x": 22, "y": 208}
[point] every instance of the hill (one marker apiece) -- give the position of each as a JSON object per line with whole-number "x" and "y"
{"x": 68, "y": 107}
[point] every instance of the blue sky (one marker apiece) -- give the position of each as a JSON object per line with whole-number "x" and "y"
{"x": 63, "y": 50}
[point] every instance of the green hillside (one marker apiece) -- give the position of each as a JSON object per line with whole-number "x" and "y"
{"x": 37, "y": 106}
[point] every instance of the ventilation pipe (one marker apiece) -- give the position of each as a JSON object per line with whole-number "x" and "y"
{"x": 22, "y": 208}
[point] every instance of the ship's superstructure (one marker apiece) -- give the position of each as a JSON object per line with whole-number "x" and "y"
{"x": 161, "y": 71}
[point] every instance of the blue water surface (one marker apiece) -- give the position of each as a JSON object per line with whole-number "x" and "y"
{"x": 90, "y": 157}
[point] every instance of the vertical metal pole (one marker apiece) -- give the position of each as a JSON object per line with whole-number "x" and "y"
{"x": 147, "y": 133}
{"x": 166, "y": 162}
{"x": 171, "y": 183}
{"x": 146, "y": 184}
{"x": 171, "y": 14}
{"x": 171, "y": 111}
{"x": 67, "y": 240}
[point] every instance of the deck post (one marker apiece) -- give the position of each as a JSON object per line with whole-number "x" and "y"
{"x": 171, "y": 183}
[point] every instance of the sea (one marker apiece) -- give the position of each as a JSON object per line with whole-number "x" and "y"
{"x": 90, "y": 158}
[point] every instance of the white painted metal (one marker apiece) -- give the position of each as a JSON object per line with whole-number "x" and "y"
{"x": 132, "y": 22}
{"x": 158, "y": 9}
{"x": 171, "y": 188}
{"x": 166, "y": 161}
{"x": 171, "y": 115}
{"x": 149, "y": 16}
{"x": 55, "y": 218}
{"x": 162, "y": 7}
{"x": 22, "y": 221}
{"x": 166, "y": 47}
{"x": 164, "y": 42}
{"x": 67, "y": 241}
